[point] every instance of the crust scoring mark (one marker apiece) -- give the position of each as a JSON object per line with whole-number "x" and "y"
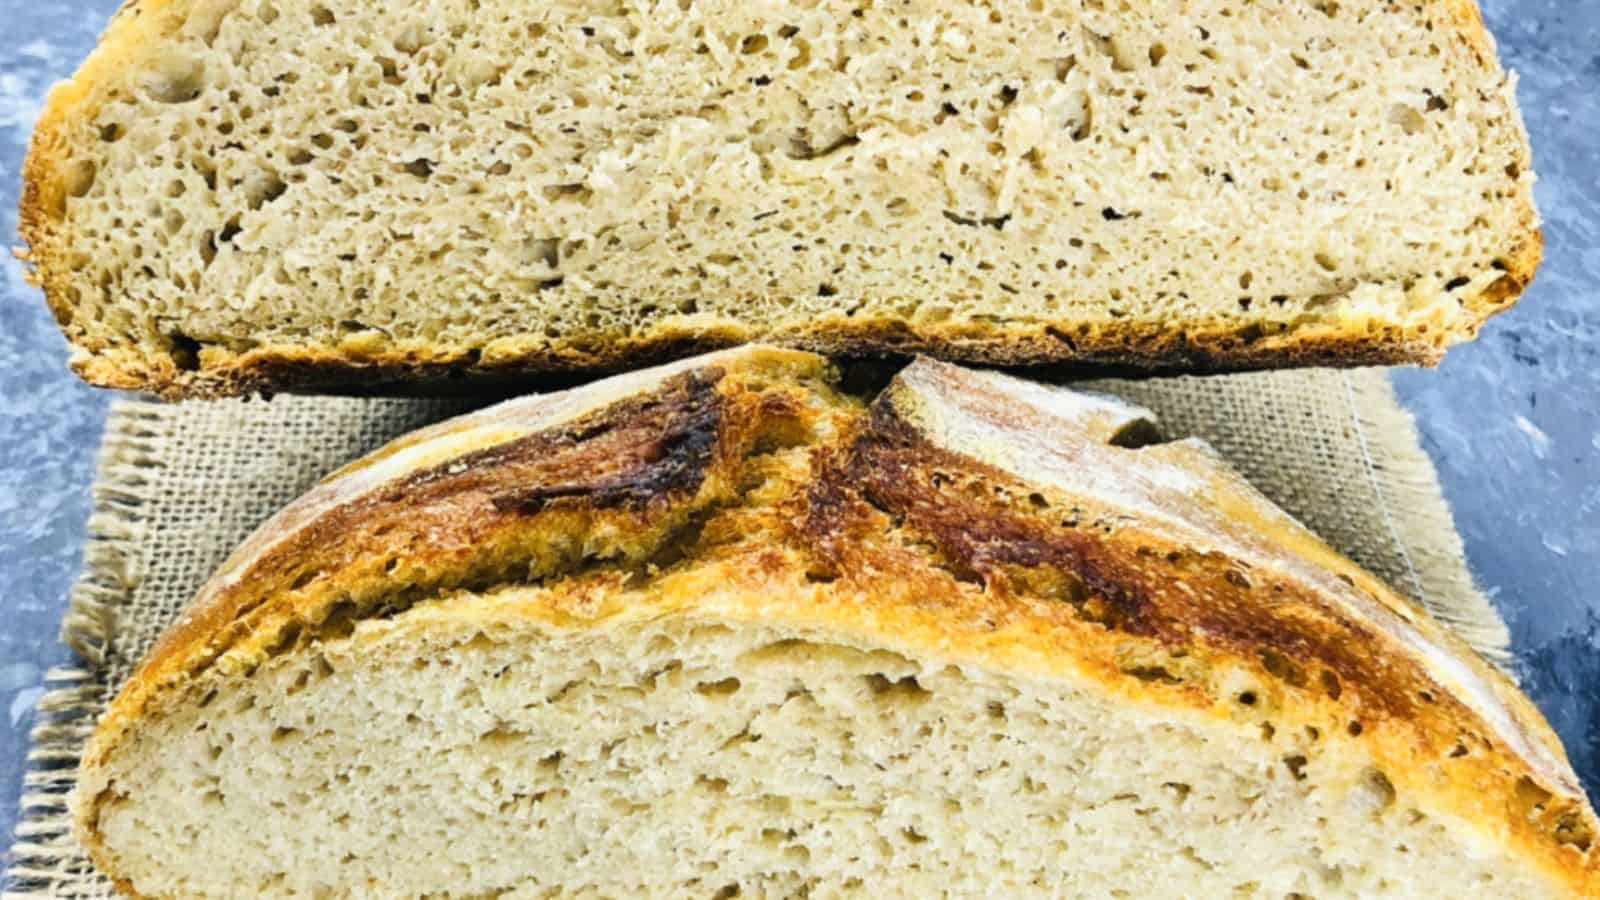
{"x": 898, "y": 507}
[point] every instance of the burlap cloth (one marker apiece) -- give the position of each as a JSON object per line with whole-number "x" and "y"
{"x": 180, "y": 486}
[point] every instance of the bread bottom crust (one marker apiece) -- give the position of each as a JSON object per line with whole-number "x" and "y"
{"x": 1136, "y": 348}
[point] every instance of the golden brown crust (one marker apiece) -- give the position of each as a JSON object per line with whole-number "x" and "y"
{"x": 967, "y": 513}
{"x": 1209, "y": 345}
{"x": 134, "y": 28}
{"x": 518, "y": 492}
{"x": 1254, "y": 588}
{"x": 531, "y": 489}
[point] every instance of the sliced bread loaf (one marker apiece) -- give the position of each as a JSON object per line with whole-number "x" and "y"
{"x": 719, "y": 629}
{"x": 255, "y": 194}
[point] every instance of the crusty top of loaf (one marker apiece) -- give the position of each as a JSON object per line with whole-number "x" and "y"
{"x": 467, "y": 262}
{"x": 973, "y": 515}
{"x": 1185, "y": 493}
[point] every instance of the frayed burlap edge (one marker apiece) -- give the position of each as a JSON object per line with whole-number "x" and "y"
{"x": 44, "y": 850}
{"x": 1419, "y": 519}
{"x": 46, "y": 855}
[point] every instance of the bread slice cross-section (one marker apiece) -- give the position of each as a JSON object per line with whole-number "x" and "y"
{"x": 723, "y": 629}
{"x": 233, "y": 195}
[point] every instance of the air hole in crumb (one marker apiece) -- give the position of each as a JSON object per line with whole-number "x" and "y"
{"x": 801, "y": 57}
{"x": 1296, "y": 765}
{"x": 79, "y": 177}
{"x": 267, "y": 190}
{"x": 1084, "y": 128}
{"x": 723, "y": 688}
{"x": 800, "y": 147}
{"x": 1247, "y": 698}
{"x": 558, "y": 191}
{"x": 1152, "y": 674}
{"x": 185, "y": 351}
{"x": 754, "y": 43}
{"x": 1283, "y": 668}
{"x": 819, "y": 576}
{"x": 542, "y": 250}
{"x": 1354, "y": 728}
{"x": 1377, "y": 790}
{"x": 1571, "y": 828}
{"x": 321, "y": 15}
{"x": 1407, "y": 117}
{"x": 1331, "y": 685}
{"x": 906, "y": 688}
{"x": 176, "y": 80}
{"x": 1457, "y": 283}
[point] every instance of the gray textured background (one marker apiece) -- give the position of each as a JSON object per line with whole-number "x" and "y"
{"x": 1511, "y": 420}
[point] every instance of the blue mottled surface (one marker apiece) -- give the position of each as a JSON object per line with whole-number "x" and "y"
{"x": 1511, "y": 420}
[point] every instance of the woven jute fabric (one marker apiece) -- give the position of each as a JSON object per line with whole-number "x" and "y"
{"x": 180, "y": 486}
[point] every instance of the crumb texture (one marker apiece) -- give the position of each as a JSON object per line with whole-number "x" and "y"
{"x": 693, "y": 757}
{"x": 503, "y": 182}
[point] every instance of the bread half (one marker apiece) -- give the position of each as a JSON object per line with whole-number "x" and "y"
{"x": 719, "y": 629}
{"x": 233, "y": 195}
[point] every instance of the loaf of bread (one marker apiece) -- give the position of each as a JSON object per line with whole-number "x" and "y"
{"x": 721, "y": 629}
{"x": 233, "y": 195}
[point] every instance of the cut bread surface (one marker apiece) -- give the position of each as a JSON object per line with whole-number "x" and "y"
{"x": 721, "y": 628}
{"x": 241, "y": 194}
{"x": 695, "y": 754}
